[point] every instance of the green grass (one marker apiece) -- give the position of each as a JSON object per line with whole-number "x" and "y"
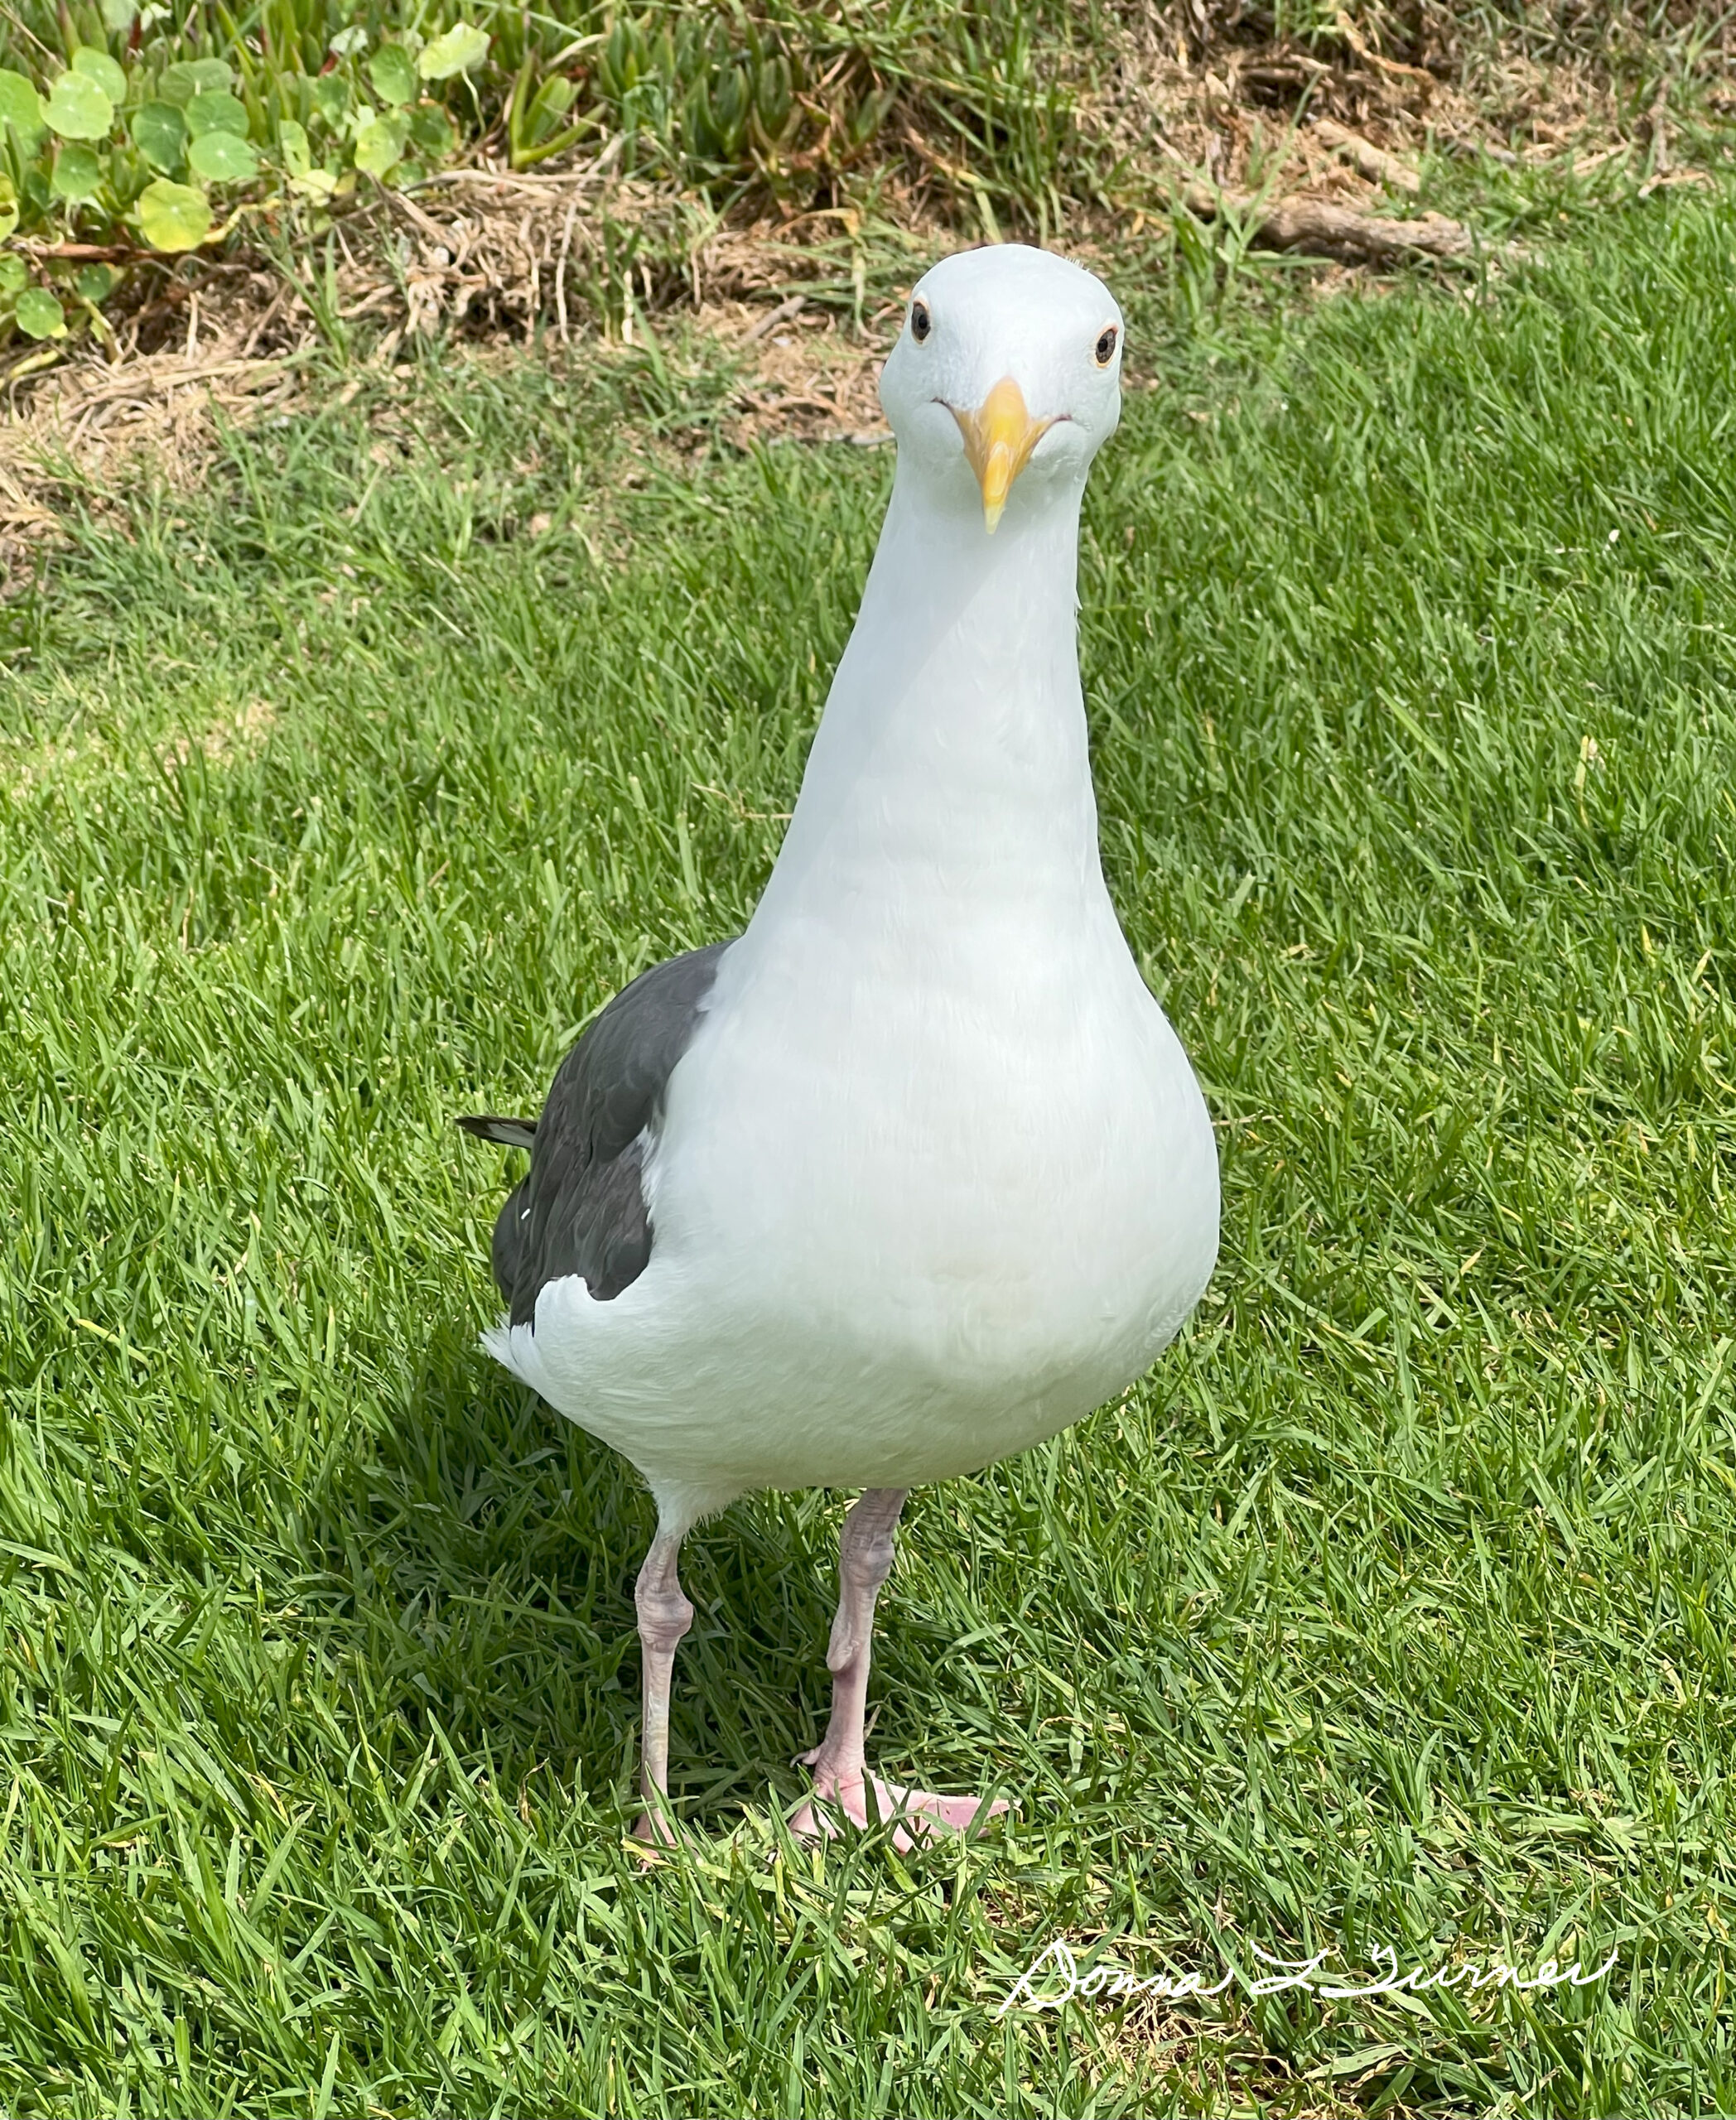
{"x": 1396, "y": 1607}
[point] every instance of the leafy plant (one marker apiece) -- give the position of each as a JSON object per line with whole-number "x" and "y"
{"x": 128, "y": 135}
{"x": 128, "y": 128}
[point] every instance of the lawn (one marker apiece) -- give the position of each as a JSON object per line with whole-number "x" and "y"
{"x": 1395, "y": 1608}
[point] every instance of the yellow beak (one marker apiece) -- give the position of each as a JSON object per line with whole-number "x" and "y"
{"x": 999, "y": 438}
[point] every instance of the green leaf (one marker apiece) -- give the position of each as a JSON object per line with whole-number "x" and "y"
{"x": 554, "y": 98}
{"x": 215, "y": 110}
{"x": 392, "y": 75}
{"x": 78, "y": 107}
{"x": 117, "y": 15}
{"x": 77, "y": 174}
{"x": 8, "y": 213}
{"x": 13, "y": 273}
{"x": 549, "y": 106}
{"x": 96, "y": 66}
{"x": 331, "y": 98}
{"x": 159, "y": 134}
{"x": 223, "y": 158}
{"x": 379, "y": 144}
{"x": 774, "y": 95}
{"x": 462, "y": 47}
{"x": 192, "y": 77}
{"x": 173, "y": 216}
{"x": 298, "y": 154}
{"x": 95, "y": 283}
{"x": 21, "y": 107}
{"x": 432, "y": 130}
{"x": 40, "y": 316}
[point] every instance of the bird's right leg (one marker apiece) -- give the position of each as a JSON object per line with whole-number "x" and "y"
{"x": 841, "y": 1775}
{"x": 664, "y": 1616}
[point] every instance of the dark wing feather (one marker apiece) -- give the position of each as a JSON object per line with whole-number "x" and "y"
{"x": 504, "y": 1133}
{"x": 581, "y": 1209}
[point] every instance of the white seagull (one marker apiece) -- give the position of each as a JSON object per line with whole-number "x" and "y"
{"x": 914, "y": 1173}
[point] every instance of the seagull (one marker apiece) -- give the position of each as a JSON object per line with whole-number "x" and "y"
{"x": 914, "y": 1172}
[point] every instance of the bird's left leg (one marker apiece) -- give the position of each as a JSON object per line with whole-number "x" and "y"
{"x": 664, "y": 1616}
{"x": 840, "y": 1762}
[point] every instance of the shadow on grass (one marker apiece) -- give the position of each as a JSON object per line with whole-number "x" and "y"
{"x": 488, "y": 1547}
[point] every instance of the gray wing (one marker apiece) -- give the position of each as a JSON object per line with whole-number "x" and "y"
{"x": 581, "y": 1209}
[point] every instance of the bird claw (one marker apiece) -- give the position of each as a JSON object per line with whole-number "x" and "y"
{"x": 656, "y": 1828}
{"x": 915, "y": 1813}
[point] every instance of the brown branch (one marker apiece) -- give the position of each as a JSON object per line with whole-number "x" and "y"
{"x": 785, "y": 311}
{"x": 103, "y": 252}
{"x": 1325, "y": 230}
{"x": 1373, "y": 163}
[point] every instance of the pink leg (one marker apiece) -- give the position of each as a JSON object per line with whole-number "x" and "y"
{"x": 664, "y": 1616}
{"x": 841, "y": 1779}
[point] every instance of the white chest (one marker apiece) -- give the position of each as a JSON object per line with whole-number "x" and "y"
{"x": 987, "y": 1157}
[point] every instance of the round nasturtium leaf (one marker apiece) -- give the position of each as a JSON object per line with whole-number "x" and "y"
{"x": 379, "y": 143}
{"x": 13, "y": 273}
{"x": 173, "y": 216}
{"x": 188, "y": 78}
{"x": 99, "y": 67}
{"x": 331, "y": 98}
{"x": 462, "y": 47}
{"x": 215, "y": 110}
{"x": 40, "y": 316}
{"x": 298, "y": 154}
{"x": 77, "y": 174}
{"x": 431, "y": 129}
{"x": 20, "y": 106}
{"x": 95, "y": 283}
{"x": 159, "y": 134}
{"x": 222, "y": 158}
{"x": 117, "y": 15}
{"x": 392, "y": 75}
{"x": 78, "y": 107}
{"x": 8, "y": 217}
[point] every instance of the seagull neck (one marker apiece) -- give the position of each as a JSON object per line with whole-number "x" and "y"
{"x": 953, "y": 743}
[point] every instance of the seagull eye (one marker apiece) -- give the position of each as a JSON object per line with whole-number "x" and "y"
{"x": 1106, "y": 346}
{"x": 921, "y": 323}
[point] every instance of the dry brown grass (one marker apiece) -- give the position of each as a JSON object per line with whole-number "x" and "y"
{"x": 487, "y": 256}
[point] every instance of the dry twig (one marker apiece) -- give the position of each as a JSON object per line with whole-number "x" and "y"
{"x": 1325, "y": 230}
{"x": 1373, "y": 163}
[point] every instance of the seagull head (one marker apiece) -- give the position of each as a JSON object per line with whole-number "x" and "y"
{"x": 1008, "y": 368}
